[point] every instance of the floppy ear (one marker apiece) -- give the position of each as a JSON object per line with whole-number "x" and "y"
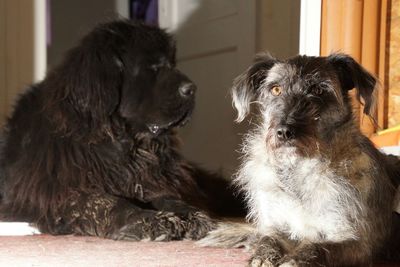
{"x": 246, "y": 85}
{"x": 353, "y": 75}
{"x": 96, "y": 79}
{"x": 85, "y": 88}
{"x": 87, "y": 84}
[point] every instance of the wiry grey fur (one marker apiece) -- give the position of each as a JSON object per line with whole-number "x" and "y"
{"x": 318, "y": 191}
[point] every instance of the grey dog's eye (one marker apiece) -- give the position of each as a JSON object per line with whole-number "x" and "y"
{"x": 276, "y": 90}
{"x": 320, "y": 88}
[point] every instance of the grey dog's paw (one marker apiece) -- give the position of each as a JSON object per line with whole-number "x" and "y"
{"x": 267, "y": 254}
{"x": 262, "y": 259}
{"x": 289, "y": 263}
{"x": 198, "y": 225}
{"x": 307, "y": 256}
{"x": 260, "y": 262}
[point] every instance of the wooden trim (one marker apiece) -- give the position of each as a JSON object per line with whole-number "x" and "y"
{"x": 17, "y": 35}
{"x": 358, "y": 28}
{"x": 3, "y": 74}
{"x": 331, "y": 26}
{"x": 369, "y": 51}
{"x": 12, "y": 54}
{"x": 383, "y": 68}
{"x": 342, "y": 31}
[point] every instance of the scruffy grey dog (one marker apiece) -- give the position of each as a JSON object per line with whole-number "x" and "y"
{"x": 318, "y": 191}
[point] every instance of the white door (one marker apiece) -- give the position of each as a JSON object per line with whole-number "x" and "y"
{"x": 216, "y": 42}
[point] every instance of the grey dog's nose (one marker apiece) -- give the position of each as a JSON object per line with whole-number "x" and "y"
{"x": 284, "y": 133}
{"x": 187, "y": 89}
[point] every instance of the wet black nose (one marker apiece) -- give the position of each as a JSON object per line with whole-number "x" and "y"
{"x": 284, "y": 133}
{"x": 187, "y": 89}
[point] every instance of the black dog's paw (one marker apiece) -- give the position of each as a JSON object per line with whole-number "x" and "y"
{"x": 198, "y": 225}
{"x": 164, "y": 226}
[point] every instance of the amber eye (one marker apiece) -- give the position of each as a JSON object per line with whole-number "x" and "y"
{"x": 276, "y": 90}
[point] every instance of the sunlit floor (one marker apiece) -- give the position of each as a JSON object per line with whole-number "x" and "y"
{"x": 21, "y": 245}
{"x": 45, "y": 250}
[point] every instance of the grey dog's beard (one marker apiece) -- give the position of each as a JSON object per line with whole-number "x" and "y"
{"x": 303, "y": 146}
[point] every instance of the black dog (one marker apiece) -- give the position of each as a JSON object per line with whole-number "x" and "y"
{"x": 91, "y": 150}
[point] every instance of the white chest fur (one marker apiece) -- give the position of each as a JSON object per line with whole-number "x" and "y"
{"x": 302, "y": 197}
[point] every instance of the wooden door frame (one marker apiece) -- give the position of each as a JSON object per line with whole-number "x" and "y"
{"x": 22, "y": 49}
{"x": 3, "y": 74}
{"x": 359, "y": 28}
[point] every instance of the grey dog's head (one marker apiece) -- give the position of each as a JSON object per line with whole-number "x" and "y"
{"x": 303, "y": 98}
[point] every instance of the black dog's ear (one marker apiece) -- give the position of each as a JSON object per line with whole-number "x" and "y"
{"x": 94, "y": 76}
{"x": 353, "y": 75}
{"x": 245, "y": 86}
{"x": 85, "y": 88}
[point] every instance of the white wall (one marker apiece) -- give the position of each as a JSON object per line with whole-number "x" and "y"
{"x": 310, "y": 27}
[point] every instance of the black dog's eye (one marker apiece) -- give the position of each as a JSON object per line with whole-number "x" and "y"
{"x": 160, "y": 65}
{"x": 317, "y": 90}
{"x": 156, "y": 67}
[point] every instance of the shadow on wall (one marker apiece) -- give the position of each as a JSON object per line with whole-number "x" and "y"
{"x": 70, "y": 20}
{"x": 214, "y": 58}
{"x": 215, "y": 43}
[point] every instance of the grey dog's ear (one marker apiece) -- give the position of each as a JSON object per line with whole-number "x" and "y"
{"x": 353, "y": 75}
{"x": 246, "y": 85}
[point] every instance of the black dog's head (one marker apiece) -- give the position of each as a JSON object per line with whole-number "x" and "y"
{"x": 126, "y": 70}
{"x": 304, "y": 98}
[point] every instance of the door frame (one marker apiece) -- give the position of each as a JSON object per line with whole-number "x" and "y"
{"x": 23, "y": 49}
{"x": 310, "y": 27}
{"x": 359, "y": 28}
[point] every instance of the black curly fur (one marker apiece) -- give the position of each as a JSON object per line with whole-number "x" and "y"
{"x": 92, "y": 149}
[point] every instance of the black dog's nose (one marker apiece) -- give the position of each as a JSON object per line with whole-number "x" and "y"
{"x": 187, "y": 89}
{"x": 284, "y": 133}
